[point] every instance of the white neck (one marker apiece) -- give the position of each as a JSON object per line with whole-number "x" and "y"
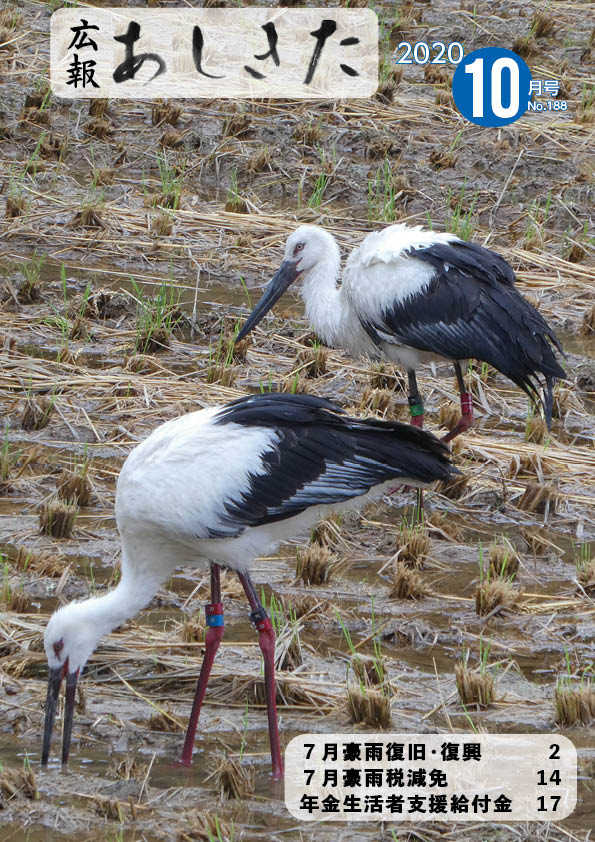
{"x": 110, "y": 610}
{"x": 81, "y": 625}
{"x": 323, "y": 301}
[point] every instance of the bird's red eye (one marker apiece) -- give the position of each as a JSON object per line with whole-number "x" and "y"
{"x": 58, "y": 647}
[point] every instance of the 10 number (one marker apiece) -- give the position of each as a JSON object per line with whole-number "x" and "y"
{"x": 501, "y": 64}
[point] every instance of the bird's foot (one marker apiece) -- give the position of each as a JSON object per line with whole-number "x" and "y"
{"x": 181, "y": 764}
{"x": 466, "y": 419}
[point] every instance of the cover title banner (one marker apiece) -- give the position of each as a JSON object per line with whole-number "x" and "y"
{"x": 257, "y": 52}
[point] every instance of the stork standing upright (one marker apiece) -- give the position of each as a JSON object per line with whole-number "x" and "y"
{"x": 224, "y": 486}
{"x": 414, "y": 296}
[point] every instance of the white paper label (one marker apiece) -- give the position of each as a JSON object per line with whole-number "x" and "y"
{"x": 430, "y": 777}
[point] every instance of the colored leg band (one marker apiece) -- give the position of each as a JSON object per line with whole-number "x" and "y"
{"x": 214, "y": 614}
{"x": 260, "y": 621}
{"x": 466, "y": 403}
{"x": 416, "y": 409}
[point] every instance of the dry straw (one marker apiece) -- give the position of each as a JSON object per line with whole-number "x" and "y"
{"x": 414, "y": 545}
{"x": 368, "y": 671}
{"x": 588, "y": 322}
{"x": 504, "y": 560}
{"x": 455, "y": 488}
{"x": 193, "y": 629}
{"x": 198, "y": 826}
{"x": 165, "y": 112}
{"x": 536, "y": 429}
{"x": 308, "y": 133}
{"x": 575, "y": 705}
{"x": 443, "y": 525}
{"x": 312, "y": 361}
{"x": 141, "y": 364}
{"x": 57, "y": 518}
{"x": 163, "y": 720}
{"x": 407, "y": 583}
{"x": 386, "y": 376}
{"x": 13, "y": 599}
{"x": 204, "y": 233}
{"x": 221, "y": 373}
{"x": 538, "y": 498}
{"x": 98, "y": 107}
{"x": 327, "y": 532}
{"x": 316, "y": 565}
{"x": 586, "y": 577}
{"x": 36, "y": 413}
{"x": 99, "y": 127}
{"x": 307, "y": 607}
{"x": 128, "y": 768}
{"x": 15, "y": 206}
{"x": 74, "y": 486}
{"x": 289, "y": 654}
{"x": 79, "y": 328}
{"x": 368, "y": 706}
{"x": 494, "y": 596}
{"x": 379, "y": 401}
{"x": 449, "y": 416}
{"x": 162, "y": 224}
{"x": 17, "y": 782}
{"x": 233, "y": 780}
{"x": 538, "y": 544}
{"x": 475, "y": 686}
{"x": 42, "y": 563}
{"x": 171, "y": 139}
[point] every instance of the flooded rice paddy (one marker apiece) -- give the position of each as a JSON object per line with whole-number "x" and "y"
{"x": 114, "y": 321}
{"x": 149, "y": 666}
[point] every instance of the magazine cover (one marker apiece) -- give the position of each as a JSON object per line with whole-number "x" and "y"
{"x": 297, "y": 414}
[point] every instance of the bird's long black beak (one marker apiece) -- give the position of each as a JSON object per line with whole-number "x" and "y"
{"x": 54, "y": 683}
{"x": 69, "y": 698}
{"x": 286, "y": 274}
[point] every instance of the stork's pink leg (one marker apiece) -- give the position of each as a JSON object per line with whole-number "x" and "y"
{"x": 416, "y": 406}
{"x": 215, "y": 628}
{"x": 266, "y": 640}
{"x": 466, "y": 419}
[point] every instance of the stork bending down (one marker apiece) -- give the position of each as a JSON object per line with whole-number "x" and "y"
{"x": 414, "y": 296}
{"x": 224, "y": 486}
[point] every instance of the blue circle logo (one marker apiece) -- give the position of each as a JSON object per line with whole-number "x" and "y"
{"x": 491, "y": 86}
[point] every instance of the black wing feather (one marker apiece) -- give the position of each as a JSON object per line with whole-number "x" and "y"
{"x": 472, "y": 309}
{"x": 324, "y": 457}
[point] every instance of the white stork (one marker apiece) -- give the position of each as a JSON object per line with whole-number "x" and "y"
{"x": 224, "y": 486}
{"x": 414, "y": 296}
